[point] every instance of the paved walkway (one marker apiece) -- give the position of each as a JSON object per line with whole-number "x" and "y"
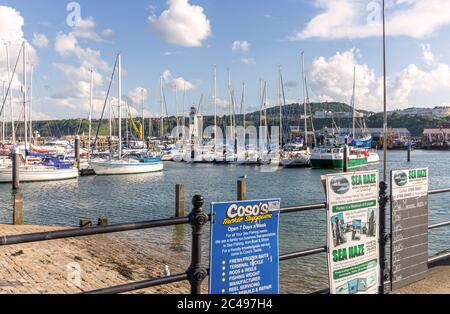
{"x": 52, "y": 267}
{"x": 437, "y": 281}
{"x": 101, "y": 261}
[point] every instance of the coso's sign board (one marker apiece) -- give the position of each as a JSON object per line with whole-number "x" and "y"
{"x": 244, "y": 252}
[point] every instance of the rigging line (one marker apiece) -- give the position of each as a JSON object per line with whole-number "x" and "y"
{"x": 104, "y": 105}
{"x": 165, "y": 103}
{"x": 10, "y": 82}
{"x": 79, "y": 126}
{"x": 284, "y": 104}
{"x": 310, "y": 113}
{"x": 242, "y": 98}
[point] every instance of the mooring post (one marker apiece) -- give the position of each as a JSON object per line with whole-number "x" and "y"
{"x": 77, "y": 151}
{"x": 345, "y": 158}
{"x": 18, "y": 209}
{"x": 242, "y": 189}
{"x": 102, "y": 221}
{"x": 409, "y": 151}
{"x": 85, "y": 223}
{"x": 179, "y": 200}
{"x": 15, "y": 169}
{"x": 384, "y": 238}
{"x": 197, "y": 219}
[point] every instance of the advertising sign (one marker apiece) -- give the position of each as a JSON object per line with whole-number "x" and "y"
{"x": 409, "y": 226}
{"x": 244, "y": 256}
{"x": 352, "y": 232}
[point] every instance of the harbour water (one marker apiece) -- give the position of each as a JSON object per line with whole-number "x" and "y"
{"x": 152, "y": 196}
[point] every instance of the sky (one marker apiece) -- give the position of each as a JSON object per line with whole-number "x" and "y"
{"x": 181, "y": 41}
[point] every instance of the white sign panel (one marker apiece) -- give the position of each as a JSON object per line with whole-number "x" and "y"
{"x": 352, "y": 232}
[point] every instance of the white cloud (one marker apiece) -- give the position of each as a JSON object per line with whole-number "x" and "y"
{"x": 361, "y": 19}
{"x": 248, "y": 61}
{"x": 67, "y": 45}
{"x": 428, "y": 54}
{"x": 11, "y": 32}
{"x": 240, "y": 46}
{"x": 85, "y": 28}
{"x": 135, "y": 95}
{"x": 413, "y": 79}
{"x": 331, "y": 79}
{"x": 40, "y": 40}
{"x": 74, "y": 97}
{"x": 176, "y": 82}
{"x": 243, "y": 47}
{"x": 182, "y": 24}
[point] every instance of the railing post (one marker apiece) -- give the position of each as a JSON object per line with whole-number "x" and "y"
{"x": 384, "y": 237}
{"x": 197, "y": 219}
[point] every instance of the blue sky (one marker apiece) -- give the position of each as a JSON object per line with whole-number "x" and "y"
{"x": 335, "y": 36}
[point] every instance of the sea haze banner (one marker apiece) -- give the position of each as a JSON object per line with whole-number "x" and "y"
{"x": 244, "y": 256}
{"x": 352, "y": 232}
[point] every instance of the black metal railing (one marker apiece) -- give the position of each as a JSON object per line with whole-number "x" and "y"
{"x": 197, "y": 219}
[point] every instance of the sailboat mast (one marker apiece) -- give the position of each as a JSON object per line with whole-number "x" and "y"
{"x": 304, "y": 98}
{"x": 3, "y": 114}
{"x": 11, "y": 106}
{"x": 231, "y": 103}
{"x": 25, "y": 116}
{"x": 243, "y": 105}
{"x": 31, "y": 103}
{"x": 90, "y": 107}
{"x": 143, "y": 117}
{"x": 161, "y": 133}
{"x": 183, "y": 121}
{"x": 215, "y": 107}
{"x": 385, "y": 129}
{"x": 178, "y": 113}
{"x": 353, "y": 101}
{"x": 110, "y": 120}
{"x": 119, "y": 82}
{"x": 280, "y": 82}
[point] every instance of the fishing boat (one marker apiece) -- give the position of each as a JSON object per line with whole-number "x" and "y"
{"x": 125, "y": 164}
{"x": 332, "y": 157}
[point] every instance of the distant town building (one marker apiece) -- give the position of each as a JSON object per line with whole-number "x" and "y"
{"x": 376, "y": 133}
{"x": 440, "y": 111}
{"x": 337, "y": 115}
{"x": 436, "y": 137}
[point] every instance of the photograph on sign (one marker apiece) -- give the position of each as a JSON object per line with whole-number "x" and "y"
{"x": 244, "y": 251}
{"x": 409, "y": 226}
{"x": 352, "y": 232}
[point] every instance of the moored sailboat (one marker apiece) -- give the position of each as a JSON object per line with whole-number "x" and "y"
{"x": 127, "y": 164}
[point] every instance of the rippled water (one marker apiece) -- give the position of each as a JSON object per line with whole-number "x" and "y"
{"x": 152, "y": 196}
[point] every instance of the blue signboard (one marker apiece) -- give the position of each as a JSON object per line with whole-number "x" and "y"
{"x": 244, "y": 256}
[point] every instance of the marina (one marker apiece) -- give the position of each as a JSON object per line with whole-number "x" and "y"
{"x": 209, "y": 157}
{"x": 152, "y": 196}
